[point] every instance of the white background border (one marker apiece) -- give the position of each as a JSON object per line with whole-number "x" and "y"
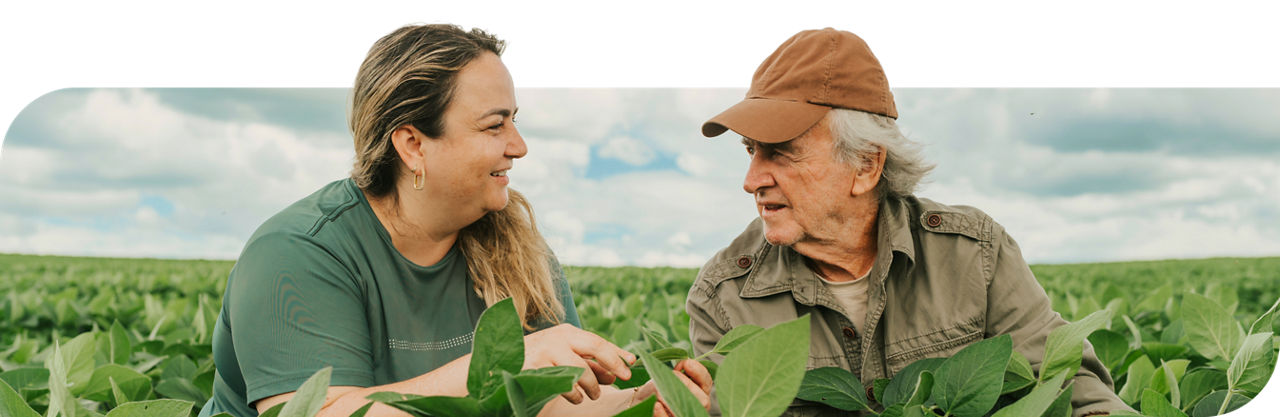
{"x": 54, "y": 45}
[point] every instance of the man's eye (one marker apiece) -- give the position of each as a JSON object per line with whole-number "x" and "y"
{"x": 751, "y": 151}
{"x": 496, "y": 126}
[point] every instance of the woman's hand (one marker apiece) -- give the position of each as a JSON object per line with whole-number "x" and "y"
{"x": 694, "y": 376}
{"x": 565, "y": 345}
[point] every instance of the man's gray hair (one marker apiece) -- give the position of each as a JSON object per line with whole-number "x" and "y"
{"x": 859, "y": 136}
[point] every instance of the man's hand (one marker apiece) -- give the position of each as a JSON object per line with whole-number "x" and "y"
{"x": 694, "y": 376}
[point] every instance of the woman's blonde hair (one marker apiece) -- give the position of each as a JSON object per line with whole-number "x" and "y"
{"x": 409, "y": 77}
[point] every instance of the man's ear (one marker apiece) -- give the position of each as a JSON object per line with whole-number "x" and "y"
{"x": 409, "y": 141}
{"x": 868, "y": 176}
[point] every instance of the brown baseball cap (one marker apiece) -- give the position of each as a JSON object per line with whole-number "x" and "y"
{"x": 811, "y": 73}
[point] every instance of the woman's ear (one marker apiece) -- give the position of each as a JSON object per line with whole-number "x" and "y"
{"x": 868, "y": 176}
{"x": 409, "y": 142}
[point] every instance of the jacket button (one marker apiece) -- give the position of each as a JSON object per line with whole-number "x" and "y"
{"x": 744, "y": 262}
{"x": 850, "y": 333}
{"x": 934, "y": 220}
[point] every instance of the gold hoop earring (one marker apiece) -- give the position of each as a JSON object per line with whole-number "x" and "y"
{"x": 419, "y": 178}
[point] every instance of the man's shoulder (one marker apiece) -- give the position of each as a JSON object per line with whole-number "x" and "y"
{"x": 735, "y": 259}
{"x": 938, "y": 218}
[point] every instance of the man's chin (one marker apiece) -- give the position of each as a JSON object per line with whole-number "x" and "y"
{"x": 779, "y": 236}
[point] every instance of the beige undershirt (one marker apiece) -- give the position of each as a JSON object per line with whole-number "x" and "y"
{"x": 852, "y": 295}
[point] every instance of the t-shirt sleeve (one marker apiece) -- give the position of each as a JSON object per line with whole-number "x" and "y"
{"x": 295, "y": 309}
{"x": 565, "y": 294}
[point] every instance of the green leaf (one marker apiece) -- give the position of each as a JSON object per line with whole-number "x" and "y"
{"x": 1196, "y": 384}
{"x": 671, "y": 354}
{"x": 1110, "y": 347}
{"x": 1223, "y": 295}
{"x": 27, "y": 379}
{"x": 1154, "y": 301}
{"x": 1173, "y": 333}
{"x": 181, "y": 388}
{"x": 1065, "y": 346}
{"x": 153, "y": 408}
{"x": 118, "y": 346}
{"x": 638, "y": 377}
{"x": 12, "y": 404}
{"x": 1037, "y": 402}
{"x": 641, "y": 409}
{"x": 735, "y": 337}
{"x": 359, "y": 412}
{"x": 879, "y": 386}
{"x": 924, "y": 388}
{"x": 654, "y": 336}
{"x": 118, "y": 394}
{"x": 677, "y": 395}
{"x": 540, "y": 386}
{"x": 127, "y": 379}
{"x": 178, "y": 367}
{"x": 762, "y": 376}
{"x": 1164, "y": 352}
{"x": 1154, "y": 405}
{"x": 435, "y": 405}
{"x": 498, "y": 346}
{"x": 515, "y": 395}
{"x": 969, "y": 383}
{"x": 1135, "y": 335}
{"x": 1212, "y": 404}
{"x": 61, "y": 402}
{"x": 1140, "y": 372}
{"x": 77, "y": 355}
{"x": 1252, "y": 365}
{"x": 309, "y": 398}
{"x": 1264, "y": 321}
{"x": 274, "y": 411}
{"x": 1211, "y": 330}
{"x": 1017, "y": 374}
{"x": 1160, "y": 377}
{"x": 1061, "y": 406}
{"x": 835, "y": 387}
{"x": 899, "y": 389}
{"x": 625, "y": 332}
{"x": 895, "y": 410}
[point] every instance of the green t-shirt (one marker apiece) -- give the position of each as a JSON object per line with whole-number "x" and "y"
{"x": 320, "y": 284}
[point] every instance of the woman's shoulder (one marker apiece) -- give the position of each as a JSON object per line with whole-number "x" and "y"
{"x": 326, "y": 217}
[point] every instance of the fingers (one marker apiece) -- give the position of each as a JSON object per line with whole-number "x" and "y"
{"x": 696, "y": 372}
{"x": 602, "y": 375}
{"x": 587, "y": 382}
{"x": 697, "y": 391}
{"x": 612, "y": 358}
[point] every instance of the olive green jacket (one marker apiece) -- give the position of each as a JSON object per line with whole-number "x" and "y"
{"x": 944, "y": 277}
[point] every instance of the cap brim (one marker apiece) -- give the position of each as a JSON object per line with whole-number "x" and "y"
{"x": 766, "y": 120}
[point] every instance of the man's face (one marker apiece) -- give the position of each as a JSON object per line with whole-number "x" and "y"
{"x": 799, "y": 187}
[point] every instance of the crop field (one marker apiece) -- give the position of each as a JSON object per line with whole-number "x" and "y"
{"x": 113, "y": 337}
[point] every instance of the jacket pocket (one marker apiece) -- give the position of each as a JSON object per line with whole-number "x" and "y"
{"x": 933, "y": 344}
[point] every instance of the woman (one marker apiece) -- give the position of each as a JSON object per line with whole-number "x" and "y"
{"x": 383, "y": 275}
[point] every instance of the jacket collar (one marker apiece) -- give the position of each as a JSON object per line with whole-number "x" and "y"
{"x": 780, "y": 268}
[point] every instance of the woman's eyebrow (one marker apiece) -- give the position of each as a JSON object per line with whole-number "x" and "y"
{"x": 504, "y": 112}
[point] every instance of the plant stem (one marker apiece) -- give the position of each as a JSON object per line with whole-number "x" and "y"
{"x": 1225, "y": 400}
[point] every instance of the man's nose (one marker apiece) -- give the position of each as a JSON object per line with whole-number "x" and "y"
{"x": 758, "y": 176}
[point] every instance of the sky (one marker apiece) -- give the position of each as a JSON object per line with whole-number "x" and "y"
{"x": 623, "y": 176}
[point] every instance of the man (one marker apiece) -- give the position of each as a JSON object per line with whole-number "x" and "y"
{"x": 887, "y": 278}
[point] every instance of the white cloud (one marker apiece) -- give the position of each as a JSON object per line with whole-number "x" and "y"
{"x": 224, "y": 178}
{"x": 629, "y": 150}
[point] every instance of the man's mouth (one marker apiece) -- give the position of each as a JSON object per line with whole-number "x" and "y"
{"x": 501, "y": 173}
